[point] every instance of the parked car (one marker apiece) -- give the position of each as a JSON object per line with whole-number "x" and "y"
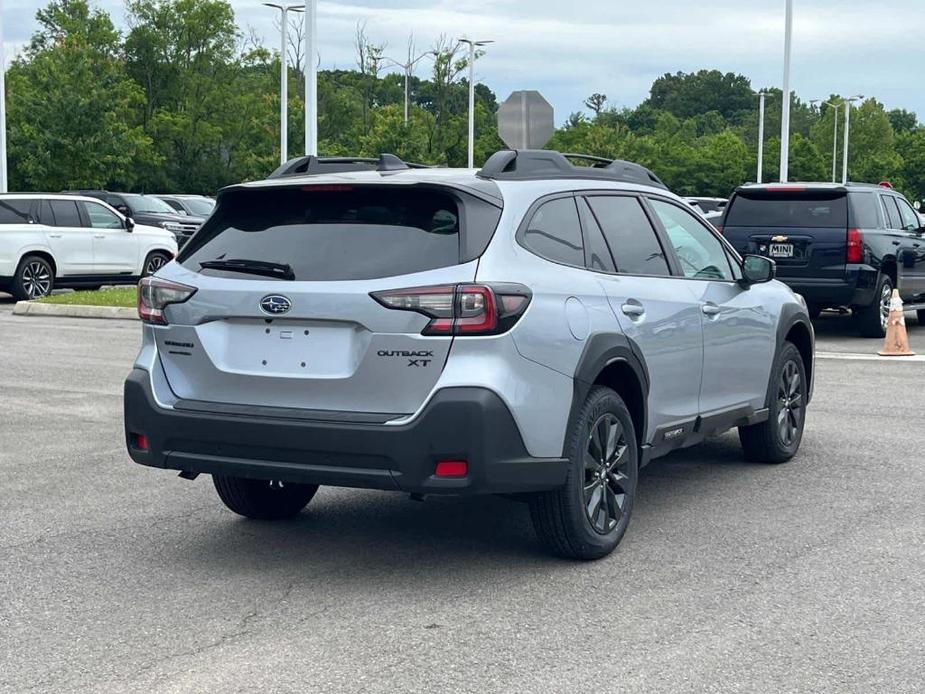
{"x": 837, "y": 245}
{"x": 150, "y": 210}
{"x": 191, "y": 205}
{"x": 56, "y": 241}
{"x": 708, "y": 205}
{"x": 536, "y": 328}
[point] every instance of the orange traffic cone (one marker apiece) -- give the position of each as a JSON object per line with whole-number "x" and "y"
{"x": 896, "y": 343}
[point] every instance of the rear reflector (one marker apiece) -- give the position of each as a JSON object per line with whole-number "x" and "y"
{"x": 139, "y": 442}
{"x": 452, "y": 468}
{"x": 855, "y": 246}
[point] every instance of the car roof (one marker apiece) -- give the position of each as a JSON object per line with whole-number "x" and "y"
{"x": 820, "y": 186}
{"x": 48, "y": 196}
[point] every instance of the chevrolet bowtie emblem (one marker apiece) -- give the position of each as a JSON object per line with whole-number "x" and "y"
{"x": 778, "y": 239}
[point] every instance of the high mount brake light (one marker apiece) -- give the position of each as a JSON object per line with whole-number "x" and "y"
{"x": 855, "y": 246}
{"x": 464, "y": 309}
{"x": 154, "y": 295}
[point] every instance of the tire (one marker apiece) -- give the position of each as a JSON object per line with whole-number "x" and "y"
{"x": 920, "y": 314}
{"x": 263, "y": 499}
{"x": 560, "y": 517}
{"x": 770, "y": 441}
{"x": 154, "y": 262}
{"x": 34, "y": 278}
{"x": 814, "y": 311}
{"x": 871, "y": 320}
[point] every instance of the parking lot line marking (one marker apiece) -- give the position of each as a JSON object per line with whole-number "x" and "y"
{"x": 853, "y": 356}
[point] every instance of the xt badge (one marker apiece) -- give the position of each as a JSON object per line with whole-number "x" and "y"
{"x": 414, "y": 358}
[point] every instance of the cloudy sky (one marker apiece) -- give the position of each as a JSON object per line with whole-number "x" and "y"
{"x": 568, "y": 50}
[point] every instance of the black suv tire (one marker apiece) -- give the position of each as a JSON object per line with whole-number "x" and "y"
{"x": 777, "y": 439}
{"x": 869, "y": 319}
{"x": 263, "y": 499}
{"x": 601, "y": 482}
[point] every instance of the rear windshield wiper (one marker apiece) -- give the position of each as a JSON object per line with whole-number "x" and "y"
{"x": 251, "y": 267}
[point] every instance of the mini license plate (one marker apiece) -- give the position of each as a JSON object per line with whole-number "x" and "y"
{"x": 781, "y": 250}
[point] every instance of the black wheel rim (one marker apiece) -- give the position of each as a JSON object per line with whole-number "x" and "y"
{"x": 608, "y": 484}
{"x": 789, "y": 403}
{"x": 154, "y": 264}
{"x": 36, "y": 279}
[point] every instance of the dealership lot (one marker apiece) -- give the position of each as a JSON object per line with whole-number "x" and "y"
{"x": 735, "y": 577}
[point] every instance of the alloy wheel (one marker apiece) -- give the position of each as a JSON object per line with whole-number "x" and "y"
{"x": 885, "y": 297}
{"x": 154, "y": 264}
{"x": 36, "y": 279}
{"x": 790, "y": 403}
{"x": 608, "y": 485}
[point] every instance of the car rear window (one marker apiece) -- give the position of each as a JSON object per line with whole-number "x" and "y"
{"x": 333, "y": 232}
{"x": 800, "y": 210}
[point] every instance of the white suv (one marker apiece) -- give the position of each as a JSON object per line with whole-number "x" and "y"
{"x": 49, "y": 241}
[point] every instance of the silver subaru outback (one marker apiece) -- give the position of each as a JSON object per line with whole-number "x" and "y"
{"x": 537, "y": 328}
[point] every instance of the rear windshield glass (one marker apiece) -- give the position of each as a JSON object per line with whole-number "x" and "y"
{"x": 788, "y": 210}
{"x": 332, "y": 232}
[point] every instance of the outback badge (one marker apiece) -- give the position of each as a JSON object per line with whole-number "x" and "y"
{"x": 275, "y": 304}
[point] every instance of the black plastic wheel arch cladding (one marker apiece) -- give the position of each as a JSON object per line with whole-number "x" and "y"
{"x": 600, "y": 351}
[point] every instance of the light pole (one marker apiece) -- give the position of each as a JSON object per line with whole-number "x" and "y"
{"x": 472, "y": 46}
{"x": 844, "y": 165}
{"x": 835, "y": 132}
{"x": 761, "y": 98}
{"x": 284, "y": 77}
{"x": 311, "y": 78}
{"x": 407, "y": 67}
{"x": 785, "y": 107}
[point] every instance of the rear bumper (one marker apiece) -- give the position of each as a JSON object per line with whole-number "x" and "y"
{"x": 471, "y": 424}
{"x": 856, "y": 288}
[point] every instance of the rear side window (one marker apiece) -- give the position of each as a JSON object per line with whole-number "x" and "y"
{"x": 554, "y": 232}
{"x": 332, "y": 232}
{"x": 800, "y": 210}
{"x": 15, "y": 211}
{"x": 631, "y": 238}
{"x": 892, "y": 214}
{"x": 66, "y": 214}
{"x": 864, "y": 211}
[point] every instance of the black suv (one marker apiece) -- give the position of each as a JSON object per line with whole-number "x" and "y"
{"x": 150, "y": 210}
{"x": 837, "y": 245}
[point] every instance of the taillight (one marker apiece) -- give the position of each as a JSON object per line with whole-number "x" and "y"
{"x": 463, "y": 309}
{"x": 855, "y": 252}
{"x": 154, "y": 295}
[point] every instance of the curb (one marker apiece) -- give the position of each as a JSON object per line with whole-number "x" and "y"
{"x": 33, "y": 308}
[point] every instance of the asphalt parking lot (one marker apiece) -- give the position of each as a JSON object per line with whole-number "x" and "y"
{"x": 733, "y": 577}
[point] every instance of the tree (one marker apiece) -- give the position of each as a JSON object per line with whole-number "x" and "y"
{"x": 74, "y": 113}
{"x": 903, "y": 121}
{"x": 686, "y": 95}
{"x": 596, "y": 103}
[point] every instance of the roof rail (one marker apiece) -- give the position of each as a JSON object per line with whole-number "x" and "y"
{"x": 536, "y": 164}
{"x": 311, "y": 165}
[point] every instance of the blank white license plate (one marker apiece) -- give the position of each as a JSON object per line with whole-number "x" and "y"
{"x": 781, "y": 250}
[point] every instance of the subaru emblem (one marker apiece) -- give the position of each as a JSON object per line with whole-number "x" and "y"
{"x": 275, "y": 304}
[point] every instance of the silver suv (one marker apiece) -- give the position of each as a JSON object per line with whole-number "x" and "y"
{"x": 536, "y": 328}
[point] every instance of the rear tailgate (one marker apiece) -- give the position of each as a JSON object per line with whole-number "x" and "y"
{"x": 804, "y": 230}
{"x": 333, "y": 347}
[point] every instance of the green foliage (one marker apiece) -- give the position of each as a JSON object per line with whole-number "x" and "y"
{"x": 183, "y": 102}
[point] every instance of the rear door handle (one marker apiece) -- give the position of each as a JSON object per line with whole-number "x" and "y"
{"x": 634, "y": 310}
{"x": 710, "y": 309}
{"x": 54, "y": 236}
{"x": 99, "y": 236}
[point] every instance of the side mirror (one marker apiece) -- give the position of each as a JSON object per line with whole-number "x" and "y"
{"x": 757, "y": 269}
{"x": 917, "y": 205}
{"x": 129, "y": 224}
